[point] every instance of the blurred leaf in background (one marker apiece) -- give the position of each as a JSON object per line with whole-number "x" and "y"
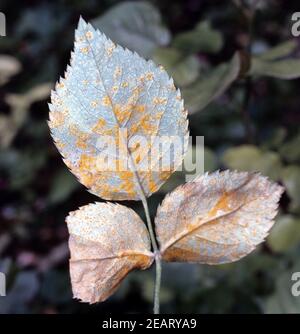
{"x": 211, "y": 85}
{"x": 203, "y": 38}
{"x": 184, "y": 69}
{"x": 251, "y": 158}
{"x": 282, "y": 300}
{"x": 135, "y": 25}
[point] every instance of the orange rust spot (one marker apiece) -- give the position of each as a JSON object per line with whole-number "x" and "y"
{"x": 118, "y": 71}
{"x": 94, "y": 104}
{"x": 121, "y": 164}
{"x": 81, "y": 143}
{"x": 149, "y": 76}
{"x": 60, "y": 85}
{"x": 108, "y": 132}
{"x": 223, "y": 204}
{"x": 89, "y": 35}
{"x": 79, "y": 39}
{"x": 147, "y": 126}
{"x": 103, "y": 131}
{"x": 87, "y": 162}
{"x": 140, "y": 108}
{"x": 110, "y": 49}
{"x": 115, "y": 89}
{"x": 57, "y": 119}
{"x": 84, "y": 50}
{"x": 73, "y": 129}
{"x": 81, "y": 137}
{"x": 105, "y": 190}
{"x": 106, "y": 101}
{"x": 152, "y": 185}
{"x": 127, "y": 182}
{"x": 56, "y": 100}
{"x": 60, "y": 145}
{"x": 87, "y": 179}
{"x": 66, "y": 112}
{"x": 135, "y": 147}
{"x": 122, "y": 113}
{"x": 140, "y": 260}
{"x": 159, "y": 100}
{"x": 99, "y": 125}
{"x": 133, "y": 129}
{"x": 138, "y": 159}
{"x": 104, "y": 165}
{"x": 137, "y": 91}
{"x": 144, "y": 125}
{"x": 158, "y": 115}
{"x": 178, "y": 254}
{"x": 164, "y": 175}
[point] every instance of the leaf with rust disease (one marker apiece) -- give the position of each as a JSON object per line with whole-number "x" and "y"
{"x": 107, "y": 241}
{"x": 217, "y": 218}
{"x": 109, "y": 115}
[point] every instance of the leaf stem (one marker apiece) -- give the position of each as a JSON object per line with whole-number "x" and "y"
{"x": 149, "y": 225}
{"x": 245, "y": 111}
{"x": 249, "y": 15}
{"x": 158, "y": 269}
{"x": 248, "y": 83}
{"x": 157, "y": 257}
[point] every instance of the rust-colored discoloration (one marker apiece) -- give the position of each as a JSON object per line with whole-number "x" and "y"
{"x": 145, "y": 126}
{"x": 140, "y": 108}
{"x": 57, "y": 119}
{"x": 125, "y": 84}
{"x": 102, "y": 249}
{"x": 87, "y": 162}
{"x": 98, "y": 127}
{"x": 152, "y": 185}
{"x": 110, "y": 49}
{"x": 173, "y": 254}
{"x": 122, "y": 113}
{"x": 105, "y": 95}
{"x": 149, "y": 76}
{"x": 73, "y": 129}
{"x": 81, "y": 143}
{"x": 94, "y": 104}
{"x": 222, "y": 206}
{"x": 106, "y": 101}
{"x": 89, "y": 35}
{"x": 85, "y": 50}
{"x": 165, "y": 175}
{"x": 217, "y": 218}
{"x": 159, "y": 100}
{"x": 87, "y": 178}
{"x": 137, "y": 159}
{"x": 128, "y": 182}
{"x": 59, "y": 85}
{"x": 117, "y": 72}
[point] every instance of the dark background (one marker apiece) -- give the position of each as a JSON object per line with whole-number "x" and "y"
{"x": 253, "y": 125}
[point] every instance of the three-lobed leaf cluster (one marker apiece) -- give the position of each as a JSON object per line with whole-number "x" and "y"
{"x": 214, "y": 219}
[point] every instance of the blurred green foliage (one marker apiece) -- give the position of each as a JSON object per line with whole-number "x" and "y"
{"x": 232, "y": 63}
